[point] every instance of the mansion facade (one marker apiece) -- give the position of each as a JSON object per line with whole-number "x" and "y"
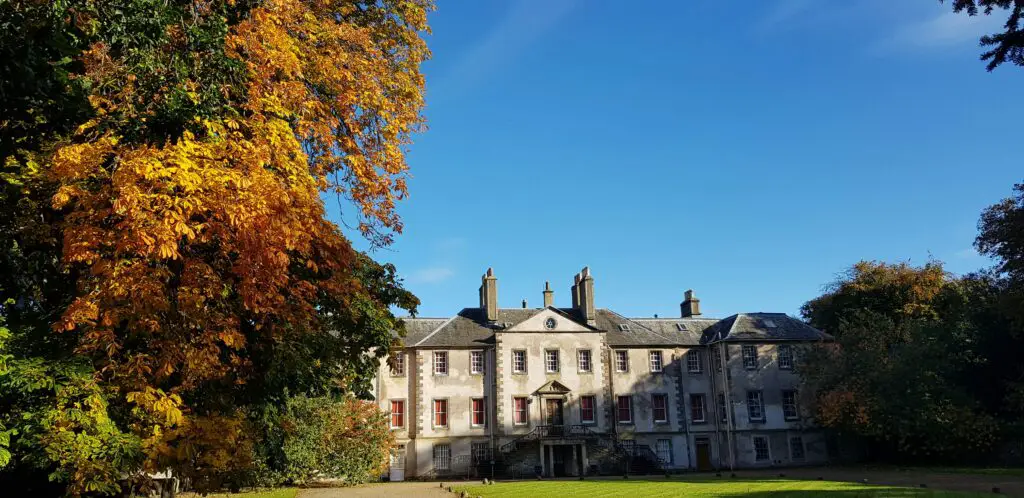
{"x": 584, "y": 390}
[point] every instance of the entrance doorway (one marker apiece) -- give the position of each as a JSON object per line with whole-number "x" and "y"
{"x": 703, "y": 446}
{"x": 553, "y": 416}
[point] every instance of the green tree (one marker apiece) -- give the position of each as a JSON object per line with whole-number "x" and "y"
{"x": 1005, "y": 46}
{"x": 895, "y": 385}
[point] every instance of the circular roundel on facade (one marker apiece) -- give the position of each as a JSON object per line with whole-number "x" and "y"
{"x": 550, "y": 323}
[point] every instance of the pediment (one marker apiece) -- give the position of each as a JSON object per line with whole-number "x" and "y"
{"x": 553, "y": 387}
{"x": 540, "y": 323}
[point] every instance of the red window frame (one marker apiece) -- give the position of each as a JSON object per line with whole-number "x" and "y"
{"x": 479, "y": 412}
{"x": 397, "y": 413}
{"x": 440, "y": 412}
{"x": 625, "y": 409}
{"x": 520, "y": 413}
{"x": 587, "y": 409}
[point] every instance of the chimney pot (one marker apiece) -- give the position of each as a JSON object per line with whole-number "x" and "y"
{"x": 524, "y": 304}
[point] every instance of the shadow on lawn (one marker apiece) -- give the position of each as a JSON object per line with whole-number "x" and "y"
{"x": 756, "y": 488}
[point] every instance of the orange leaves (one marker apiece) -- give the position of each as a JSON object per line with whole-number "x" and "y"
{"x": 364, "y": 65}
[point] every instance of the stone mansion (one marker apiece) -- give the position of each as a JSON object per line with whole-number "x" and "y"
{"x": 583, "y": 390}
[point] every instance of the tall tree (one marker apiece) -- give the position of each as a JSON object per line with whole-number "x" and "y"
{"x": 165, "y": 162}
{"x": 1005, "y": 46}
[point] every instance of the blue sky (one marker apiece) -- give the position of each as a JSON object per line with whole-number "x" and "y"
{"x": 749, "y": 154}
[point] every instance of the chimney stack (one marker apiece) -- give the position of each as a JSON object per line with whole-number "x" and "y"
{"x": 585, "y": 288}
{"x": 690, "y": 306}
{"x": 576, "y": 291}
{"x": 549, "y": 295}
{"x": 489, "y": 295}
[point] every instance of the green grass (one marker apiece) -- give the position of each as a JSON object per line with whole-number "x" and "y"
{"x": 768, "y": 488}
{"x": 272, "y": 493}
{"x": 988, "y": 471}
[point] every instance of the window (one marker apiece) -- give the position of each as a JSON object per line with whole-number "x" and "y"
{"x": 551, "y": 360}
{"x": 785, "y": 357}
{"x": 697, "y": 409}
{"x": 478, "y": 416}
{"x": 716, "y": 358}
{"x": 440, "y": 413}
{"x": 789, "y": 407}
{"x": 664, "y": 450}
{"x": 440, "y": 363}
{"x": 796, "y": 448}
{"x": 398, "y": 366}
{"x": 722, "y": 407}
{"x": 397, "y": 413}
{"x": 587, "y": 409}
{"x": 442, "y": 457}
{"x": 659, "y": 407}
{"x": 476, "y": 362}
{"x": 768, "y": 324}
{"x": 625, "y": 409}
{"x": 583, "y": 360}
{"x": 694, "y": 362}
{"x": 520, "y": 413}
{"x": 761, "y": 453}
{"x": 655, "y": 361}
{"x": 681, "y": 327}
{"x": 480, "y": 452}
{"x": 624, "y": 327}
{"x": 750, "y": 357}
{"x": 621, "y": 361}
{"x": 755, "y": 406}
{"x": 518, "y": 361}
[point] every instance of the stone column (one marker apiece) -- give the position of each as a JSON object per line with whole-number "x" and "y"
{"x": 575, "y": 462}
{"x": 583, "y": 458}
{"x": 543, "y": 466}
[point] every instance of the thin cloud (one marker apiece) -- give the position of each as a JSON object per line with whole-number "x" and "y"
{"x": 945, "y": 30}
{"x": 524, "y": 23}
{"x": 431, "y": 275}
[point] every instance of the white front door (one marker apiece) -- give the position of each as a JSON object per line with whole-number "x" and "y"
{"x": 397, "y": 472}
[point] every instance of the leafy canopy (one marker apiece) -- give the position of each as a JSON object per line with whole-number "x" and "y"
{"x": 169, "y": 258}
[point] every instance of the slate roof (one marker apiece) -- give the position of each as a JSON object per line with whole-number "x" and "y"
{"x": 470, "y": 328}
{"x": 762, "y": 327}
{"x": 693, "y": 328}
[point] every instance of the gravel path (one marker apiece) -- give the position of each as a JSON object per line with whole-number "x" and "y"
{"x": 384, "y": 490}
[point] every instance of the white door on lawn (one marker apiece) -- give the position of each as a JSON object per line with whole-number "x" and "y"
{"x": 397, "y": 464}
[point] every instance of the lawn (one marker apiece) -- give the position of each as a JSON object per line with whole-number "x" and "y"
{"x": 768, "y": 488}
{"x": 988, "y": 471}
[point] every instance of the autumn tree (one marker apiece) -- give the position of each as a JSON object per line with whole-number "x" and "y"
{"x": 1001, "y": 47}
{"x": 897, "y": 291}
{"x": 168, "y": 260}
